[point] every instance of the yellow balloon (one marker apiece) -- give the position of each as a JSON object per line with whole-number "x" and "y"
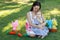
{"x": 54, "y": 22}
{"x": 54, "y": 27}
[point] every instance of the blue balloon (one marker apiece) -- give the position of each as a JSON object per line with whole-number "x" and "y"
{"x": 49, "y": 22}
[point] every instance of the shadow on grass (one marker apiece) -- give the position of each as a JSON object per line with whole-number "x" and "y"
{"x": 9, "y": 18}
{"x": 31, "y": 1}
{"x": 47, "y": 6}
{"x": 5, "y": 6}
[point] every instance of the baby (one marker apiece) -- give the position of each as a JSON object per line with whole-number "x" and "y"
{"x": 39, "y": 20}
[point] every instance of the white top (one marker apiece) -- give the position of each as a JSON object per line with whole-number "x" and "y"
{"x": 32, "y": 18}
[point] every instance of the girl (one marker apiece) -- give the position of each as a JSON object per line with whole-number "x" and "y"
{"x": 35, "y": 29}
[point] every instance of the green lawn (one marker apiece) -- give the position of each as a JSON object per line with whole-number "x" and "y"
{"x": 12, "y": 11}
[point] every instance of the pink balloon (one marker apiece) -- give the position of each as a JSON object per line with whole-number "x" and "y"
{"x": 27, "y": 26}
{"x": 15, "y": 24}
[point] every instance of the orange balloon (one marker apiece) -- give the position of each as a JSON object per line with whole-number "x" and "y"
{"x": 12, "y": 33}
{"x": 53, "y": 30}
{"x": 19, "y": 34}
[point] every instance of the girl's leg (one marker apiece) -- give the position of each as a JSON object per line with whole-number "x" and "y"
{"x": 45, "y": 32}
{"x": 30, "y": 33}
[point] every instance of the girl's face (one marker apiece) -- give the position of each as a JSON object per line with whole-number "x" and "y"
{"x": 36, "y": 8}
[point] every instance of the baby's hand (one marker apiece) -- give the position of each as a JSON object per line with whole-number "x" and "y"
{"x": 42, "y": 28}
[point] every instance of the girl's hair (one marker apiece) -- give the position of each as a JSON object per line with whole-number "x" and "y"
{"x": 36, "y": 3}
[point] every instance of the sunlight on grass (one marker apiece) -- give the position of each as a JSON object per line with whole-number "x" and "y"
{"x": 55, "y": 11}
{"x": 25, "y": 1}
{"x": 9, "y": 26}
{"x": 47, "y": 15}
{"x": 22, "y": 23}
{"x": 17, "y": 11}
{"x": 11, "y": 6}
{"x": 8, "y": 12}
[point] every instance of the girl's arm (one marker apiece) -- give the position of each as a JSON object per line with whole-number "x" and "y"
{"x": 30, "y": 22}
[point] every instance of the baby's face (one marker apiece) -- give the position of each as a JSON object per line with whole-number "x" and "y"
{"x": 38, "y": 14}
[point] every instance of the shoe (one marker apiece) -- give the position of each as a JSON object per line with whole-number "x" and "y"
{"x": 42, "y": 37}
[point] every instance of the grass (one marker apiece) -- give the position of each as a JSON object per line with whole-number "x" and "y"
{"x": 12, "y": 11}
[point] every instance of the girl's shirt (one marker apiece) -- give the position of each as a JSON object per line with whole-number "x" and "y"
{"x": 34, "y": 19}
